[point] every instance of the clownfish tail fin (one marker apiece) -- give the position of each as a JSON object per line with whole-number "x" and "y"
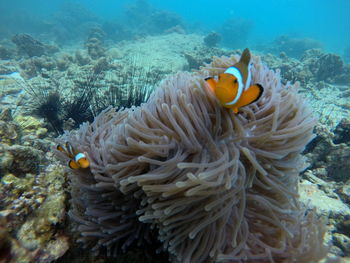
{"x": 245, "y": 57}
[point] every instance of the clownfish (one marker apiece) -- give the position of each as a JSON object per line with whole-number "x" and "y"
{"x": 77, "y": 160}
{"x": 233, "y": 88}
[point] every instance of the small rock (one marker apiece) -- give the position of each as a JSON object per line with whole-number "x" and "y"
{"x": 342, "y": 132}
{"x": 311, "y": 195}
{"x": 342, "y": 241}
{"x": 6, "y": 115}
{"x": 28, "y": 45}
{"x": 344, "y": 192}
{"x": 212, "y": 39}
{"x": 25, "y": 159}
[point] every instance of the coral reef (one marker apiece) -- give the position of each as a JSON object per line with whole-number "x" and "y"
{"x": 5, "y": 242}
{"x": 81, "y": 59}
{"x": 212, "y": 39}
{"x": 34, "y": 206}
{"x": 7, "y": 67}
{"x": 31, "y": 126}
{"x": 6, "y": 53}
{"x": 26, "y": 44}
{"x": 199, "y": 57}
{"x": 162, "y": 53}
{"x": 94, "y": 43}
{"x": 327, "y": 67}
{"x": 342, "y": 132}
{"x": 18, "y": 155}
{"x": 35, "y": 66}
{"x": 213, "y": 185}
{"x": 326, "y": 86}
{"x": 324, "y": 66}
{"x": 153, "y": 20}
{"x": 329, "y": 152}
{"x": 291, "y": 69}
{"x": 313, "y": 66}
{"x": 344, "y": 193}
{"x": 20, "y": 159}
{"x": 320, "y": 194}
{"x": 293, "y": 47}
{"x": 328, "y": 155}
{"x": 9, "y": 130}
{"x": 32, "y": 198}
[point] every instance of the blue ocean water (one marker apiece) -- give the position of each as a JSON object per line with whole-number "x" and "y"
{"x": 325, "y": 21}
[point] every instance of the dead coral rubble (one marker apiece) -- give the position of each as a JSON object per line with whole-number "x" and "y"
{"x": 6, "y": 52}
{"x": 212, "y": 39}
{"x": 94, "y": 43}
{"x": 330, "y": 152}
{"x": 328, "y": 156}
{"x": 32, "y": 198}
{"x": 28, "y": 45}
{"x": 313, "y": 66}
{"x": 294, "y": 47}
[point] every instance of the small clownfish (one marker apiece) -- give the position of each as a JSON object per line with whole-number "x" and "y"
{"x": 233, "y": 88}
{"x": 77, "y": 160}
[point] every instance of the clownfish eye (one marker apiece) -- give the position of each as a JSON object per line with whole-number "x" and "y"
{"x": 235, "y": 81}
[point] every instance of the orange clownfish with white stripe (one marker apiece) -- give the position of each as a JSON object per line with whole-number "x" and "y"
{"x": 77, "y": 159}
{"x": 233, "y": 88}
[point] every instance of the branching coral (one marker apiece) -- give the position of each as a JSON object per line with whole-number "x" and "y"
{"x": 215, "y": 186}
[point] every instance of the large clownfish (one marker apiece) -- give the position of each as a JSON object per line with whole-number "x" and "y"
{"x": 233, "y": 88}
{"x": 77, "y": 160}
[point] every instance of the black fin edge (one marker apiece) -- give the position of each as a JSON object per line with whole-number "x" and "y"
{"x": 261, "y": 92}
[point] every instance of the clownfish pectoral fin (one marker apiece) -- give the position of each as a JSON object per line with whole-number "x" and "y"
{"x": 212, "y": 83}
{"x": 249, "y": 96}
{"x": 73, "y": 165}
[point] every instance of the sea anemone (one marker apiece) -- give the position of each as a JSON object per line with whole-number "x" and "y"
{"x": 213, "y": 185}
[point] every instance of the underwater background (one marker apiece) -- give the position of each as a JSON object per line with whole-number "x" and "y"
{"x": 62, "y": 63}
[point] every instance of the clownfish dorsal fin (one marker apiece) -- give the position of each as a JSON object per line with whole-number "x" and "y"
{"x": 243, "y": 66}
{"x": 245, "y": 57}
